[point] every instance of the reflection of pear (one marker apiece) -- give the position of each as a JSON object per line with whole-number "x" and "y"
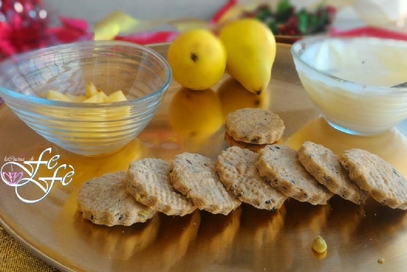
{"x": 234, "y": 96}
{"x": 195, "y": 114}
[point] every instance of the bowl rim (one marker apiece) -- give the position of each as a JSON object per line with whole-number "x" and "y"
{"x": 5, "y": 92}
{"x": 297, "y": 46}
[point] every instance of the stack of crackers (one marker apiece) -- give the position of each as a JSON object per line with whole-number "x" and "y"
{"x": 264, "y": 178}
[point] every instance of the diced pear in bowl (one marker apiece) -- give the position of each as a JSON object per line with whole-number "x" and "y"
{"x": 91, "y": 89}
{"x": 77, "y": 98}
{"x": 117, "y": 96}
{"x": 95, "y": 95}
{"x": 96, "y": 98}
{"x": 57, "y": 96}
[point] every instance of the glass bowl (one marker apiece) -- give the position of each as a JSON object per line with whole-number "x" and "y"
{"x": 351, "y": 81}
{"x": 88, "y": 129}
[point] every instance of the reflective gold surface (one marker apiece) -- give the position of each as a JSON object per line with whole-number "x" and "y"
{"x": 245, "y": 240}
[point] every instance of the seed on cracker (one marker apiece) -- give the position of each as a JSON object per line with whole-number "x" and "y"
{"x": 195, "y": 176}
{"x": 324, "y": 166}
{"x": 236, "y": 169}
{"x": 105, "y": 201}
{"x": 376, "y": 176}
{"x": 279, "y": 165}
{"x": 148, "y": 181}
{"x": 254, "y": 126}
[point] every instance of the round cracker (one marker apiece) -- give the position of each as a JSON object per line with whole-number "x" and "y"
{"x": 236, "y": 170}
{"x": 376, "y": 176}
{"x": 254, "y": 126}
{"x": 104, "y": 200}
{"x": 324, "y": 166}
{"x": 194, "y": 175}
{"x": 149, "y": 183}
{"x": 279, "y": 165}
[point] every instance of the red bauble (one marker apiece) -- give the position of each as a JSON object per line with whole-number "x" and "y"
{"x": 23, "y": 25}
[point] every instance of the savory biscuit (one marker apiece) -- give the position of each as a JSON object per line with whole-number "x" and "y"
{"x": 105, "y": 201}
{"x": 149, "y": 182}
{"x": 236, "y": 170}
{"x": 374, "y": 175}
{"x": 254, "y": 126}
{"x": 324, "y": 165}
{"x": 279, "y": 165}
{"x": 195, "y": 176}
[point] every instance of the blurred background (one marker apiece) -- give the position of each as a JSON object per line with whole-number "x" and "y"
{"x": 95, "y": 10}
{"x": 32, "y": 24}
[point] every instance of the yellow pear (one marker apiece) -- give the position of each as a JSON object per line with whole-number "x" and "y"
{"x": 251, "y": 50}
{"x": 197, "y": 59}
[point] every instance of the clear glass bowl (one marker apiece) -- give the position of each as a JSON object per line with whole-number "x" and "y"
{"x": 350, "y": 81}
{"x": 84, "y": 128}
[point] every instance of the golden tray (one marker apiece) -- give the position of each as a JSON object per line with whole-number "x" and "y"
{"x": 247, "y": 239}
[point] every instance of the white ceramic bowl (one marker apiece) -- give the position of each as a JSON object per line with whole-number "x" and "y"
{"x": 84, "y": 128}
{"x": 350, "y": 81}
